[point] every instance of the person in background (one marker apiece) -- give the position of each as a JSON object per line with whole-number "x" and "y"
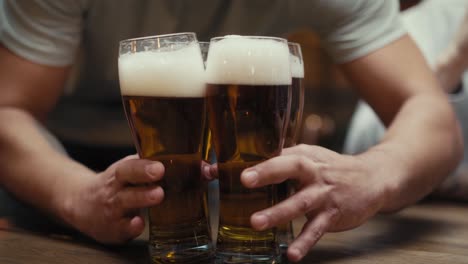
{"x": 440, "y": 29}
{"x": 58, "y": 75}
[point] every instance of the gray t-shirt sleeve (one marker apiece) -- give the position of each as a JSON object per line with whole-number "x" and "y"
{"x": 355, "y": 28}
{"x": 44, "y": 32}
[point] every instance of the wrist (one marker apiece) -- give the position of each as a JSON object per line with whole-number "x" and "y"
{"x": 69, "y": 193}
{"x": 386, "y": 171}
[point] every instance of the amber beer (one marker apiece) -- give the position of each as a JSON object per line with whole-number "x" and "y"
{"x": 248, "y": 104}
{"x": 167, "y": 116}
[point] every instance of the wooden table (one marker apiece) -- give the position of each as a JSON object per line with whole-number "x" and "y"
{"x": 431, "y": 232}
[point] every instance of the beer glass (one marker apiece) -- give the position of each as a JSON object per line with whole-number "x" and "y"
{"x": 297, "y": 100}
{"x": 213, "y": 190}
{"x": 293, "y": 126}
{"x": 163, "y": 91}
{"x": 249, "y": 89}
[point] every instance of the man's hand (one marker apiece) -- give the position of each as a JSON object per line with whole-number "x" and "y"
{"x": 335, "y": 192}
{"x": 107, "y": 207}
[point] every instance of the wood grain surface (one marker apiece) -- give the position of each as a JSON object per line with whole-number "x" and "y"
{"x": 430, "y": 232}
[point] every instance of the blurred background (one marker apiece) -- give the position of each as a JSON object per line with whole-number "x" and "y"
{"x": 329, "y": 98}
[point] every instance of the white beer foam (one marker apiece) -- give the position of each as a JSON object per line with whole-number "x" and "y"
{"x": 297, "y": 67}
{"x": 177, "y": 73}
{"x": 248, "y": 61}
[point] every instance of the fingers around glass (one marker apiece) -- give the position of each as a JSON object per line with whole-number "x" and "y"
{"x": 299, "y": 204}
{"x": 140, "y": 197}
{"x": 279, "y": 169}
{"x": 312, "y": 231}
{"x": 164, "y": 94}
{"x": 248, "y": 95}
{"x": 139, "y": 171}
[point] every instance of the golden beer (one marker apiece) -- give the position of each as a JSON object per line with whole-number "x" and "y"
{"x": 248, "y": 108}
{"x": 167, "y": 116}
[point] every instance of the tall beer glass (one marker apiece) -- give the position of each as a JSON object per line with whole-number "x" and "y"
{"x": 297, "y": 100}
{"x": 209, "y": 156}
{"x": 163, "y": 91}
{"x": 249, "y": 86}
{"x": 285, "y": 232}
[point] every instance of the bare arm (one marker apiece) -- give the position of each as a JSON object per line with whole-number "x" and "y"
{"x": 423, "y": 142}
{"x": 450, "y": 67}
{"x": 102, "y": 205}
{"x": 28, "y": 91}
{"x": 340, "y": 192}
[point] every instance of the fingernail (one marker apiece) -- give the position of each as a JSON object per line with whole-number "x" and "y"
{"x": 153, "y": 170}
{"x": 250, "y": 177}
{"x": 155, "y": 194}
{"x": 261, "y": 221}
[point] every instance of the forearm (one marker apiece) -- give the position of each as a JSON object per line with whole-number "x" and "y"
{"x": 105, "y": 206}
{"x": 422, "y": 146}
{"x": 30, "y": 167}
{"x": 423, "y": 142}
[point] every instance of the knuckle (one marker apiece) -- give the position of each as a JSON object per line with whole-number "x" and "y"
{"x": 137, "y": 168}
{"x": 129, "y": 169}
{"x": 333, "y": 214}
{"x": 147, "y": 198}
{"x": 272, "y": 215}
{"x": 302, "y": 148}
{"x": 113, "y": 204}
{"x": 131, "y": 157}
{"x": 314, "y": 235}
{"x": 321, "y": 168}
{"x": 304, "y": 203}
{"x": 119, "y": 172}
{"x": 301, "y": 163}
{"x": 110, "y": 185}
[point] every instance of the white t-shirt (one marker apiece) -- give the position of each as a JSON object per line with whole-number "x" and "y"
{"x": 86, "y": 33}
{"x": 431, "y": 24}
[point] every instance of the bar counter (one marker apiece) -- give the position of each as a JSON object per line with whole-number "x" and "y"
{"x": 429, "y": 232}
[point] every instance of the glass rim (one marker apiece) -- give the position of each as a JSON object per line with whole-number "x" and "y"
{"x": 292, "y": 43}
{"x": 249, "y": 36}
{"x": 295, "y": 49}
{"x": 159, "y": 36}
